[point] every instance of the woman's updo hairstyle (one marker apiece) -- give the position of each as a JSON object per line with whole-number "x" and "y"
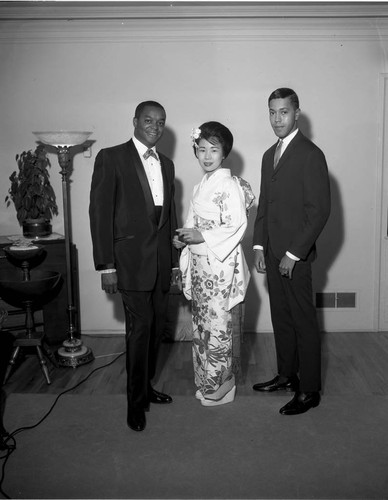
{"x": 215, "y": 133}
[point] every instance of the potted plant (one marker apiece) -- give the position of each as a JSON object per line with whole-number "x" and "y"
{"x": 32, "y": 193}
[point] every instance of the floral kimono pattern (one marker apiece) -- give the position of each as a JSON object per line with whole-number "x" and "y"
{"x": 216, "y": 276}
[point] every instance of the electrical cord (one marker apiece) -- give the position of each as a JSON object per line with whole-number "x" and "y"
{"x": 10, "y": 448}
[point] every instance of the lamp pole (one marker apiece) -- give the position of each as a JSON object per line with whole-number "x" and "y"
{"x": 73, "y": 352}
{"x": 64, "y": 163}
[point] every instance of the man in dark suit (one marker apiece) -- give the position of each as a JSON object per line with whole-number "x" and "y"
{"x": 294, "y": 206}
{"x": 133, "y": 221}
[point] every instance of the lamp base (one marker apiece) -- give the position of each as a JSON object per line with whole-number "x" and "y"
{"x": 74, "y": 353}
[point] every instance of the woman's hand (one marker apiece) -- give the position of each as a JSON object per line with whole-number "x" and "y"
{"x": 178, "y": 244}
{"x": 189, "y": 235}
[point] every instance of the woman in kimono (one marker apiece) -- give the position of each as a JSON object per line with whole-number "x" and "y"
{"x": 214, "y": 271}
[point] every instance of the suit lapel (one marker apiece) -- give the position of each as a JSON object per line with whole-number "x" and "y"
{"x": 288, "y": 151}
{"x": 166, "y": 193}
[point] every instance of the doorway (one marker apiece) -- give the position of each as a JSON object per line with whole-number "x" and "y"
{"x": 382, "y": 246}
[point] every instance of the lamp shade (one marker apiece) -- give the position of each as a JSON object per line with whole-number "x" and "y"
{"x": 62, "y": 138}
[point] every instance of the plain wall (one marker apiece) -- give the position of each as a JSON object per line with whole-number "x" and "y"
{"x": 84, "y": 74}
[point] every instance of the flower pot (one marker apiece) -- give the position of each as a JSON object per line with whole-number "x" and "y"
{"x": 36, "y": 228}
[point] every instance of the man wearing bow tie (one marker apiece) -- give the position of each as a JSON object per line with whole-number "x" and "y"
{"x": 294, "y": 206}
{"x": 133, "y": 221}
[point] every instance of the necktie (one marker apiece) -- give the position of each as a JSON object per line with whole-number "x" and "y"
{"x": 148, "y": 153}
{"x": 278, "y": 151}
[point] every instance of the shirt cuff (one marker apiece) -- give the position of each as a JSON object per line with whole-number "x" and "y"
{"x": 106, "y": 271}
{"x": 258, "y": 247}
{"x": 293, "y": 257}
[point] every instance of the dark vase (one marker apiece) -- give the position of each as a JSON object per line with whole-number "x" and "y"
{"x": 36, "y": 228}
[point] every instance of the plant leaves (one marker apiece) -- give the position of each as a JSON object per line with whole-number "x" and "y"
{"x": 30, "y": 190}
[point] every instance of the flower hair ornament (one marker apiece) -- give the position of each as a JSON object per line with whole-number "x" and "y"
{"x": 195, "y": 135}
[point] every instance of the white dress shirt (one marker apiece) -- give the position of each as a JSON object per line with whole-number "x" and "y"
{"x": 153, "y": 171}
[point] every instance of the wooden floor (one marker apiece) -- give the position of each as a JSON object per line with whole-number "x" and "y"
{"x": 355, "y": 363}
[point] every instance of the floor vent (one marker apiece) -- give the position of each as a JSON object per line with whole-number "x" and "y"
{"x": 335, "y": 300}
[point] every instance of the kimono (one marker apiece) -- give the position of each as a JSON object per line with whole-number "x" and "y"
{"x": 216, "y": 276}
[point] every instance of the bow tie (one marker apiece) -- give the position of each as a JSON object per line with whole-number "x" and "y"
{"x": 148, "y": 153}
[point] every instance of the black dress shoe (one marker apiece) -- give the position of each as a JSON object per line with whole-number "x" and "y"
{"x": 301, "y": 403}
{"x": 159, "y": 398}
{"x": 290, "y": 384}
{"x": 136, "y": 420}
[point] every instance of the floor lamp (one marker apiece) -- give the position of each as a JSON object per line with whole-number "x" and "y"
{"x": 73, "y": 352}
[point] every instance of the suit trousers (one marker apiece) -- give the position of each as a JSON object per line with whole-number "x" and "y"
{"x": 294, "y": 320}
{"x": 145, "y": 317}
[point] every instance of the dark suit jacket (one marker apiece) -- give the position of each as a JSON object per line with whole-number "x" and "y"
{"x": 294, "y": 202}
{"x": 123, "y": 224}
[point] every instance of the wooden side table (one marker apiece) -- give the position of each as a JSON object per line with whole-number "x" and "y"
{"x": 54, "y": 314}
